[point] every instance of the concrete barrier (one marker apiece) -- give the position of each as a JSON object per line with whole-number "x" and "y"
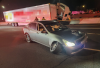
{"x": 23, "y": 23}
{"x": 3, "y": 23}
{"x": 85, "y": 21}
{"x": 90, "y": 21}
{"x": 74, "y": 21}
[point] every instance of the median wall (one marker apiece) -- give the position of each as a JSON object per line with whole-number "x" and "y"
{"x": 3, "y": 23}
{"x": 85, "y": 21}
{"x": 90, "y": 21}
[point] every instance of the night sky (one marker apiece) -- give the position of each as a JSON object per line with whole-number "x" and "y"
{"x": 16, "y": 4}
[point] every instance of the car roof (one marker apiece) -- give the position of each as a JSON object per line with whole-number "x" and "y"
{"x": 48, "y": 22}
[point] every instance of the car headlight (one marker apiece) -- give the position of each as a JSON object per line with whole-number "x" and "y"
{"x": 69, "y": 44}
{"x": 80, "y": 32}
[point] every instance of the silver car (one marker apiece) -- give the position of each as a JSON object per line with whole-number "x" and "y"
{"x": 55, "y": 36}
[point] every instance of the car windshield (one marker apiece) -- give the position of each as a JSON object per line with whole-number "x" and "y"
{"x": 55, "y": 27}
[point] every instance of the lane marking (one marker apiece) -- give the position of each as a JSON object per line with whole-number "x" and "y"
{"x": 91, "y": 49}
{"x": 84, "y": 28}
{"x": 93, "y": 33}
{"x": 82, "y": 25}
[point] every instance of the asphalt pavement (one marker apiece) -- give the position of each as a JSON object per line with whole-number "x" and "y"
{"x": 15, "y": 52}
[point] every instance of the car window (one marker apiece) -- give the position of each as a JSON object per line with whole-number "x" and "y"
{"x": 33, "y": 26}
{"x": 40, "y": 27}
{"x": 55, "y": 27}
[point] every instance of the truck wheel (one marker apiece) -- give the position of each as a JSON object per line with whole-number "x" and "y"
{"x": 16, "y": 24}
{"x": 56, "y": 48}
{"x": 13, "y": 24}
{"x": 28, "y": 39}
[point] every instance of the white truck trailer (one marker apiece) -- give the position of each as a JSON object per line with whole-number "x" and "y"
{"x": 25, "y": 15}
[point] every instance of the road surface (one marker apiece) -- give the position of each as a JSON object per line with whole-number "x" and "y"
{"x": 15, "y": 52}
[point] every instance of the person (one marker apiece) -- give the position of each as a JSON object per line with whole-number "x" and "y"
{"x": 36, "y": 19}
{"x": 43, "y": 18}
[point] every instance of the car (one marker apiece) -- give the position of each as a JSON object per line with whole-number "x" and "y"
{"x": 56, "y": 36}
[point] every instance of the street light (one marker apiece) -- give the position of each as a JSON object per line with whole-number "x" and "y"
{"x": 83, "y": 6}
{"x": 3, "y": 7}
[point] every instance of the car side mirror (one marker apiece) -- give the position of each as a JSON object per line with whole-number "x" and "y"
{"x": 44, "y": 31}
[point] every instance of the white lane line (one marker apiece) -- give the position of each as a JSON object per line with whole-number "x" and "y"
{"x": 91, "y": 49}
{"x": 82, "y": 25}
{"x": 90, "y": 33}
{"x": 84, "y": 28}
{"x": 93, "y": 33}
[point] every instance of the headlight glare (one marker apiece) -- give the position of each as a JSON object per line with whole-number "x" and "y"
{"x": 69, "y": 44}
{"x": 80, "y": 32}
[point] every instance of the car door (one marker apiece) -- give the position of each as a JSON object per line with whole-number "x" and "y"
{"x": 41, "y": 37}
{"x": 33, "y": 31}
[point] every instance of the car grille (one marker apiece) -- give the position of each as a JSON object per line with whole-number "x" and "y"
{"x": 78, "y": 48}
{"x": 79, "y": 40}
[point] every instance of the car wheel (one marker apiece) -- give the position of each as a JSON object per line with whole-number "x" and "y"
{"x": 56, "y": 48}
{"x": 28, "y": 39}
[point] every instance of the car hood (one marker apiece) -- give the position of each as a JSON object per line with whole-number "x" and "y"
{"x": 68, "y": 35}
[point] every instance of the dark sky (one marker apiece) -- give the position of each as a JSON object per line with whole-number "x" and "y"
{"x": 16, "y": 4}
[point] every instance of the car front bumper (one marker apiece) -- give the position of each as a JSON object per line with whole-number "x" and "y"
{"x": 77, "y": 48}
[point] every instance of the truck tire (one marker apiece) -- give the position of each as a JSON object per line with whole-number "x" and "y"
{"x": 13, "y": 24}
{"x": 16, "y": 24}
{"x": 56, "y": 48}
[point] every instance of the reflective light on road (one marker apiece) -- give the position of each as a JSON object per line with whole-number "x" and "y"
{"x": 94, "y": 33}
{"x": 91, "y": 49}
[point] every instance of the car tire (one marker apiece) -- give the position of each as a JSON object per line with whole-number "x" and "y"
{"x": 56, "y": 48}
{"x": 28, "y": 39}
